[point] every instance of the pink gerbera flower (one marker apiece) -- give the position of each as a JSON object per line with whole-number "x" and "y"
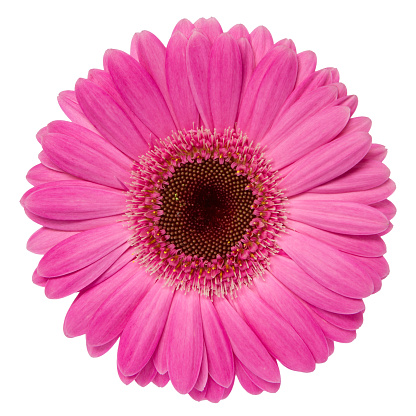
{"x": 216, "y": 207}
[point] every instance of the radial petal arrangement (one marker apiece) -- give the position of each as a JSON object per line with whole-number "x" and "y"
{"x": 216, "y": 207}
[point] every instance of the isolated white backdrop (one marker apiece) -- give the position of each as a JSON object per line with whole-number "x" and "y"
{"x": 46, "y": 46}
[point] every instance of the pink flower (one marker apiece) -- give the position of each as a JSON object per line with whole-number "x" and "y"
{"x": 216, "y": 207}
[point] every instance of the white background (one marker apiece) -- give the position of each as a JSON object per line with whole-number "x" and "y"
{"x": 46, "y": 46}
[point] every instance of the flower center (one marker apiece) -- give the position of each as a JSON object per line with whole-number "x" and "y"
{"x": 205, "y": 211}
{"x": 206, "y": 208}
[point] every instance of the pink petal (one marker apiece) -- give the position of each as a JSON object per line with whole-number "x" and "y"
{"x": 219, "y": 351}
{"x": 143, "y": 330}
{"x": 357, "y": 124}
{"x": 325, "y": 163}
{"x": 368, "y": 197}
{"x": 151, "y": 53}
{"x": 288, "y": 43}
{"x": 75, "y": 225}
{"x": 40, "y": 174}
{"x": 286, "y": 305}
{"x": 39, "y": 280}
{"x": 361, "y": 245}
{"x": 328, "y": 266}
{"x": 89, "y": 300}
{"x": 246, "y": 346}
{"x": 262, "y": 384}
{"x": 126, "y": 379}
{"x": 386, "y": 207}
{"x": 334, "y": 332}
{"x": 146, "y": 375}
{"x": 306, "y": 65}
{"x": 41, "y": 133}
{"x": 307, "y": 106}
{"x": 103, "y": 80}
{"x": 313, "y": 81}
{"x": 225, "y": 77}
{"x": 82, "y": 249}
{"x": 46, "y": 161}
{"x": 45, "y": 238}
{"x": 350, "y": 101}
{"x": 245, "y": 380}
{"x": 74, "y": 200}
{"x": 213, "y": 391}
{"x": 109, "y": 119}
{"x": 338, "y": 216}
{"x": 308, "y": 135}
{"x": 364, "y": 175}
{"x": 185, "y": 27}
{"x": 276, "y": 334}
{"x": 140, "y": 92}
{"x": 331, "y": 346}
{"x": 350, "y": 322}
{"x": 376, "y": 152}
{"x": 197, "y": 60}
{"x": 69, "y": 105}
{"x": 247, "y": 62}
{"x": 90, "y": 158}
{"x": 161, "y": 380}
{"x": 262, "y": 42}
{"x": 209, "y": 27}
{"x": 202, "y": 379}
{"x": 239, "y": 31}
{"x": 59, "y": 287}
{"x": 185, "y": 340}
{"x": 272, "y": 82}
{"x": 112, "y": 316}
{"x": 95, "y": 351}
{"x": 178, "y": 84}
{"x": 308, "y": 289}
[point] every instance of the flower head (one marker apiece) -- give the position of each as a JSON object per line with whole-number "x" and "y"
{"x": 216, "y": 206}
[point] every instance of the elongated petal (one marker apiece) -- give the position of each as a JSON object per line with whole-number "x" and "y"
{"x": 276, "y": 334}
{"x": 350, "y": 322}
{"x": 203, "y": 375}
{"x": 70, "y": 106}
{"x": 113, "y": 314}
{"x": 365, "y": 175}
{"x": 89, "y": 300}
{"x": 307, "y": 106}
{"x": 68, "y": 200}
{"x": 219, "y": 351}
{"x": 185, "y": 345}
{"x": 140, "y": 92}
{"x": 308, "y": 289}
{"x": 357, "y": 124}
{"x": 360, "y": 245}
{"x": 309, "y": 135}
{"x": 225, "y": 78}
{"x": 146, "y": 375}
{"x": 178, "y": 84}
{"x": 142, "y": 333}
{"x": 245, "y": 380}
{"x": 40, "y": 174}
{"x": 368, "y": 197}
{"x": 325, "y": 163}
{"x": 82, "y": 249}
{"x": 90, "y": 158}
{"x": 286, "y": 305}
{"x": 376, "y": 152}
{"x": 272, "y": 82}
{"x": 338, "y": 216}
{"x": 211, "y": 28}
{"x": 239, "y": 31}
{"x": 306, "y": 65}
{"x": 247, "y": 62}
{"x": 95, "y": 351}
{"x": 61, "y": 286}
{"x": 262, "y": 384}
{"x": 109, "y": 119}
{"x": 45, "y": 238}
{"x": 213, "y": 391}
{"x": 262, "y": 42}
{"x": 386, "y": 207}
{"x": 246, "y": 345}
{"x": 185, "y": 27}
{"x": 328, "y": 266}
{"x": 197, "y": 61}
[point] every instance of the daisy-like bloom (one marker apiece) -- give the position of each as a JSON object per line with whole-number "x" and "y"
{"x": 216, "y": 206}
